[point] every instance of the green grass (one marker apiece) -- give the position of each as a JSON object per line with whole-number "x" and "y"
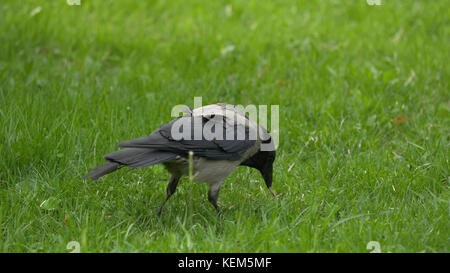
{"x": 364, "y": 123}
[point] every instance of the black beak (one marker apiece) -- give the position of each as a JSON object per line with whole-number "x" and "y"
{"x": 263, "y": 162}
{"x": 267, "y": 174}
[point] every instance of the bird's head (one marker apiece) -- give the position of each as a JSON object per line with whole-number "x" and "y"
{"x": 263, "y": 162}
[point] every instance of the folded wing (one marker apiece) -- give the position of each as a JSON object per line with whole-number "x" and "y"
{"x": 231, "y": 138}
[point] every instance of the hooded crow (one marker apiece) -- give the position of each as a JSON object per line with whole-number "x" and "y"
{"x": 220, "y": 137}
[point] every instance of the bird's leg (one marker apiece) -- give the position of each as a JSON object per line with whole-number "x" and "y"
{"x": 171, "y": 188}
{"x": 213, "y": 195}
{"x": 273, "y": 194}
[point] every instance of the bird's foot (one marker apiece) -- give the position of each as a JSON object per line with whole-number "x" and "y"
{"x": 273, "y": 194}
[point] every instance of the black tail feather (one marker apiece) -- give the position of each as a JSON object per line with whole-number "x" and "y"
{"x": 131, "y": 157}
{"x": 139, "y": 157}
{"x": 102, "y": 170}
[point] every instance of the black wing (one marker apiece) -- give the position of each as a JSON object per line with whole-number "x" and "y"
{"x": 163, "y": 139}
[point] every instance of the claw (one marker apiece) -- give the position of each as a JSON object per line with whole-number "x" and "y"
{"x": 274, "y": 195}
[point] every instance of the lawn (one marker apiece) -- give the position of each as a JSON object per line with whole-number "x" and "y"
{"x": 364, "y": 124}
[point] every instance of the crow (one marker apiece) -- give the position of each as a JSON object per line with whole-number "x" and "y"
{"x": 208, "y": 142}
